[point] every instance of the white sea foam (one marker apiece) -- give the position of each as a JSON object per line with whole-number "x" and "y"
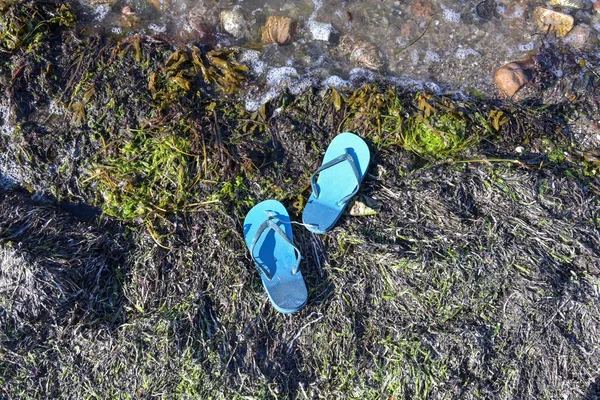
{"x": 450, "y": 15}
{"x": 101, "y": 11}
{"x": 336, "y": 82}
{"x": 251, "y": 58}
{"x": 6, "y": 128}
{"x": 281, "y": 76}
{"x": 56, "y": 108}
{"x": 157, "y": 28}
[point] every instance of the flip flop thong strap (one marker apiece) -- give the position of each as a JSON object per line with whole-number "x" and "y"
{"x": 270, "y": 223}
{"x": 344, "y": 157}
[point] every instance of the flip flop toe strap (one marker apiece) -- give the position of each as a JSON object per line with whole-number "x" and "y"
{"x": 271, "y": 224}
{"x": 344, "y": 157}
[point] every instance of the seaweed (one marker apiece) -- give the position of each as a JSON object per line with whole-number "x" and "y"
{"x": 124, "y": 271}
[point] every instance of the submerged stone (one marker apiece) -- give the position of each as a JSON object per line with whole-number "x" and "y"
{"x": 201, "y": 23}
{"x": 203, "y": 13}
{"x": 320, "y": 30}
{"x": 557, "y": 22}
{"x": 578, "y": 4}
{"x": 582, "y": 37}
{"x": 234, "y": 22}
{"x": 362, "y": 54}
{"x": 278, "y": 30}
{"x": 511, "y": 78}
{"x": 98, "y": 2}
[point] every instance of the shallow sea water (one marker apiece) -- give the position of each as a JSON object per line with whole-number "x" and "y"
{"x": 444, "y": 45}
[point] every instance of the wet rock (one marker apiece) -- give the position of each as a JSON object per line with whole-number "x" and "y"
{"x": 235, "y": 23}
{"x": 320, "y": 30}
{"x": 555, "y": 21}
{"x": 486, "y": 9}
{"x": 409, "y": 30}
{"x": 516, "y": 10}
{"x": 578, "y": 4}
{"x": 582, "y": 37}
{"x": 200, "y": 20}
{"x": 278, "y": 30}
{"x": 362, "y": 54}
{"x": 595, "y": 22}
{"x": 421, "y": 8}
{"x": 510, "y": 78}
{"x": 98, "y": 2}
{"x": 203, "y": 13}
{"x": 516, "y": 14}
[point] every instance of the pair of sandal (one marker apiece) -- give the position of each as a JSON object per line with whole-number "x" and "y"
{"x": 268, "y": 228}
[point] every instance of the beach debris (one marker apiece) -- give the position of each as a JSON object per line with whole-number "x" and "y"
{"x": 581, "y": 37}
{"x": 364, "y": 206}
{"x": 510, "y": 78}
{"x": 278, "y": 30}
{"x": 578, "y": 4}
{"x": 234, "y": 22}
{"x": 320, "y": 30}
{"x": 362, "y": 54}
{"x": 554, "y": 21}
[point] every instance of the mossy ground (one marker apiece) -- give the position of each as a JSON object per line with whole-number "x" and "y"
{"x": 124, "y": 272}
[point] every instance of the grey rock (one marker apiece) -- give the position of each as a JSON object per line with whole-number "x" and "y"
{"x": 235, "y": 23}
{"x": 320, "y": 30}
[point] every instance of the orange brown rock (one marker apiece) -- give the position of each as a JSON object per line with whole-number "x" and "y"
{"x": 510, "y": 78}
{"x": 278, "y": 30}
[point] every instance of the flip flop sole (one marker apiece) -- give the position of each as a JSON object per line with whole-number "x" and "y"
{"x": 336, "y": 182}
{"x": 286, "y": 290}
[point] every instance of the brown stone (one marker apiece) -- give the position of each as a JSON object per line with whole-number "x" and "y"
{"x": 554, "y": 21}
{"x": 510, "y": 78}
{"x": 597, "y": 6}
{"x": 422, "y": 8}
{"x": 409, "y": 30}
{"x": 278, "y": 30}
{"x": 516, "y": 10}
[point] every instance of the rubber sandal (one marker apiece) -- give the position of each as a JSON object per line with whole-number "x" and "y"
{"x": 344, "y": 166}
{"x": 269, "y": 237}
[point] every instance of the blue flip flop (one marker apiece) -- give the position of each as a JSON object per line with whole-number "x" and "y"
{"x": 344, "y": 166}
{"x": 269, "y": 237}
